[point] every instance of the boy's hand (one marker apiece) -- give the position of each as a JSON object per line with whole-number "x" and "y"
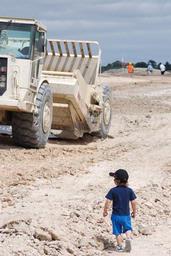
{"x": 134, "y": 206}
{"x": 106, "y": 207}
{"x": 133, "y": 215}
{"x": 105, "y": 213}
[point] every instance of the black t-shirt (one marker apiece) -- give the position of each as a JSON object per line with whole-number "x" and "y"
{"x": 121, "y": 196}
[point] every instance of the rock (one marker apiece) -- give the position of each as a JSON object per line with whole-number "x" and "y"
{"x": 144, "y": 230}
{"x": 100, "y": 221}
{"x": 42, "y": 235}
{"x": 154, "y": 185}
{"x": 135, "y": 232}
{"x": 14, "y": 223}
{"x": 154, "y": 214}
{"x": 103, "y": 242}
{"x": 157, "y": 200}
{"x": 7, "y": 201}
{"x": 53, "y": 234}
{"x": 148, "y": 204}
{"x": 94, "y": 243}
{"x": 166, "y": 211}
{"x": 70, "y": 250}
{"x": 46, "y": 234}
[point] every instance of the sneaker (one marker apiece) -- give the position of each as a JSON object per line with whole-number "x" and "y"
{"x": 127, "y": 245}
{"x": 119, "y": 248}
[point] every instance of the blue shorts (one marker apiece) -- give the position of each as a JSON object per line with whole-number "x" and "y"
{"x": 121, "y": 224}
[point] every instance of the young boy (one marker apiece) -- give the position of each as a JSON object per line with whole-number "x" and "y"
{"x": 121, "y": 195}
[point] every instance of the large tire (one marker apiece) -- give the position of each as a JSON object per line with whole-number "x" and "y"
{"x": 106, "y": 114}
{"x": 31, "y": 130}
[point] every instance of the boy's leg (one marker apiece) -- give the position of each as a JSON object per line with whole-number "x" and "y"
{"x": 119, "y": 247}
{"x": 128, "y": 240}
{"x": 128, "y": 233}
{"x": 117, "y": 230}
{"x": 119, "y": 240}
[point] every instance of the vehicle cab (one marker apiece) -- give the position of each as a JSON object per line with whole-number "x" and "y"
{"x": 22, "y": 49}
{"x": 23, "y": 39}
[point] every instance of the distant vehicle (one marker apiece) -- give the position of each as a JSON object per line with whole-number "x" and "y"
{"x": 49, "y": 84}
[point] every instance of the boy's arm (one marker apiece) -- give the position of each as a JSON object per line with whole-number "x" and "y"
{"x": 106, "y": 207}
{"x": 134, "y": 208}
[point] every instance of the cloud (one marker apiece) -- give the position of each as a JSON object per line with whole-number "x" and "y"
{"x": 135, "y": 28}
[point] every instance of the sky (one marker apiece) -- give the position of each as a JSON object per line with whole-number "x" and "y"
{"x": 129, "y": 30}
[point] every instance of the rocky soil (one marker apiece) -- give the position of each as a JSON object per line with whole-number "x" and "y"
{"x": 51, "y": 199}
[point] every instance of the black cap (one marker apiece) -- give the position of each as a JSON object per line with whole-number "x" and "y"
{"x": 120, "y": 175}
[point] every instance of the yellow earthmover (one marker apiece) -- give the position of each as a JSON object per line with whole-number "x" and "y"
{"x": 49, "y": 85}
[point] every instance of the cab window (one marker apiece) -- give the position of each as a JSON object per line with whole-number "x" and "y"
{"x": 38, "y": 45}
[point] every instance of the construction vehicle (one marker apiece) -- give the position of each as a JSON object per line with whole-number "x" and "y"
{"x": 49, "y": 85}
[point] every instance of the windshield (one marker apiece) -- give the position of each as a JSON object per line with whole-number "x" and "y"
{"x": 15, "y": 39}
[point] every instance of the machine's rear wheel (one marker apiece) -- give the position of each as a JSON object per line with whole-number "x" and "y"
{"x": 106, "y": 114}
{"x": 31, "y": 130}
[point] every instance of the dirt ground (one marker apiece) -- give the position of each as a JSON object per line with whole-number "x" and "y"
{"x": 52, "y": 199}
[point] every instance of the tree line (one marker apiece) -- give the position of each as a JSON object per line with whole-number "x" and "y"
{"x": 119, "y": 64}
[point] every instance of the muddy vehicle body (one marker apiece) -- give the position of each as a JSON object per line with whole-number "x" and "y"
{"x": 49, "y": 85}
